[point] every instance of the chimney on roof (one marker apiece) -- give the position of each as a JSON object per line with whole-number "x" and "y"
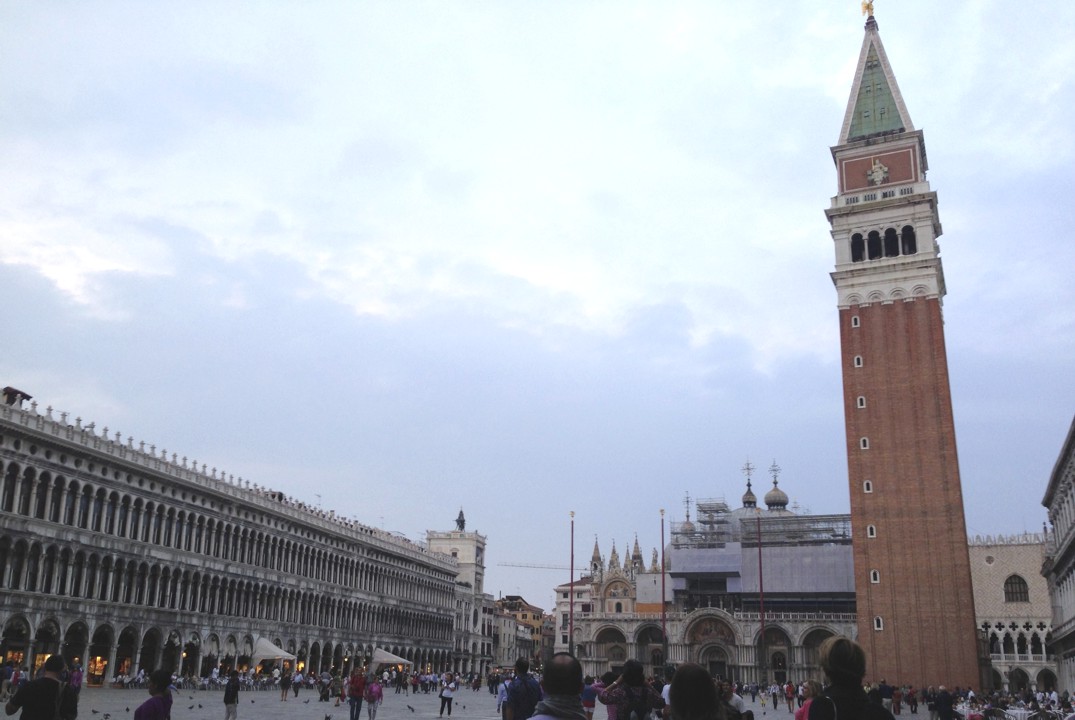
{"x": 15, "y": 397}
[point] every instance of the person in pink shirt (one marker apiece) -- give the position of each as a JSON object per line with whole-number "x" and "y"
{"x": 811, "y": 691}
{"x": 373, "y": 696}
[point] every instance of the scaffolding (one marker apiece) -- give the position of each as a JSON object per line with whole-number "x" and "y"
{"x": 794, "y": 530}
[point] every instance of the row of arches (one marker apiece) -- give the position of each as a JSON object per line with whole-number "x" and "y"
{"x": 1021, "y": 644}
{"x": 1019, "y": 679}
{"x": 711, "y": 641}
{"x": 109, "y": 653}
{"x": 70, "y": 571}
{"x": 875, "y": 245}
{"x": 53, "y": 498}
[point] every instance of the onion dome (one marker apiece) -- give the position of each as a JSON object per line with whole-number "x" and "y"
{"x": 749, "y": 499}
{"x": 776, "y": 499}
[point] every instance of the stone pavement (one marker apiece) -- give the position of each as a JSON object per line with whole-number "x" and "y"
{"x": 95, "y": 703}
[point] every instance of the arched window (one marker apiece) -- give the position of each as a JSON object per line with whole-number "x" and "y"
{"x": 873, "y": 245}
{"x": 871, "y": 531}
{"x": 864, "y": 443}
{"x": 892, "y": 243}
{"x": 907, "y": 240}
{"x": 1016, "y": 589}
{"x": 861, "y": 402}
{"x": 875, "y": 576}
{"x": 858, "y": 361}
{"x": 858, "y": 248}
{"x": 867, "y": 486}
{"x": 878, "y": 623}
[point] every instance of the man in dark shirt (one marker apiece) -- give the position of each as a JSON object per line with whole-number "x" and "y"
{"x": 231, "y": 696}
{"x": 44, "y": 698}
{"x": 886, "y": 694}
{"x": 523, "y": 694}
{"x": 945, "y": 704}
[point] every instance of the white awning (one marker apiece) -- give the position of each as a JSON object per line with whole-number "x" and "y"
{"x": 383, "y": 657}
{"x": 264, "y": 649}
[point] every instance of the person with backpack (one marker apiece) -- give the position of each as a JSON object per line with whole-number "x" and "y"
{"x": 47, "y": 697}
{"x": 523, "y": 693}
{"x": 634, "y": 698}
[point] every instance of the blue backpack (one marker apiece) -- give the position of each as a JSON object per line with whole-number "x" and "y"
{"x": 524, "y": 694}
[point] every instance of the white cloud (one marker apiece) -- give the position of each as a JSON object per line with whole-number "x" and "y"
{"x": 633, "y": 191}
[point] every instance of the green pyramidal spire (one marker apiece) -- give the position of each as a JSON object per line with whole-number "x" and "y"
{"x": 876, "y": 106}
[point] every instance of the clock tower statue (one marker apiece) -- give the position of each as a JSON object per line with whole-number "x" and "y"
{"x": 912, "y": 568}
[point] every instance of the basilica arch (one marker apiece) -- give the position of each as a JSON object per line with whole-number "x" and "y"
{"x": 650, "y": 642}
{"x": 807, "y": 658}
{"x": 776, "y": 650}
{"x": 611, "y": 643}
{"x": 712, "y": 643}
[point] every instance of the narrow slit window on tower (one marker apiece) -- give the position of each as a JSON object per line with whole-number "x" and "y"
{"x": 871, "y": 531}
{"x": 861, "y": 402}
{"x": 878, "y": 623}
{"x": 858, "y": 361}
{"x": 907, "y": 240}
{"x": 858, "y": 248}
{"x": 867, "y": 486}
{"x": 875, "y": 577}
{"x": 873, "y": 245}
{"x": 892, "y": 243}
{"x": 864, "y": 443}
{"x": 855, "y": 321}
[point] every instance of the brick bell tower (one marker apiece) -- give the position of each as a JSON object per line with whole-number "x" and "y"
{"x": 912, "y": 568}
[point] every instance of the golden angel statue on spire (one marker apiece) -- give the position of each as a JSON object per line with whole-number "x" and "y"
{"x": 867, "y": 8}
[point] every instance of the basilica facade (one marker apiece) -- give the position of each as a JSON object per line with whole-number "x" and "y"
{"x": 126, "y": 557}
{"x": 748, "y": 593}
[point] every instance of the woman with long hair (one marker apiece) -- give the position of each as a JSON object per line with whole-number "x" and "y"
{"x": 693, "y": 695}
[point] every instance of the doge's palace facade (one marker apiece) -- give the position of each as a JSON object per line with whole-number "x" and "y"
{"x": 126, "y": 557}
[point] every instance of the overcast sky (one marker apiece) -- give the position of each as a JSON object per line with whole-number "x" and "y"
{"x": 522, "y": 258}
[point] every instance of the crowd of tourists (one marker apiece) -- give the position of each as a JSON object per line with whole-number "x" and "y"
{"x": 560, "y": 692}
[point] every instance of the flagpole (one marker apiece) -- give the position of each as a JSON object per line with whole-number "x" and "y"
{"x": 571, "y": 595}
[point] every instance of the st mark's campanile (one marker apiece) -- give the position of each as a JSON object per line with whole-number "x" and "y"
{"x": 912, "y": 570}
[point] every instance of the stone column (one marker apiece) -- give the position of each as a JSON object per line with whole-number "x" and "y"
{"x": 16, "y": 495}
